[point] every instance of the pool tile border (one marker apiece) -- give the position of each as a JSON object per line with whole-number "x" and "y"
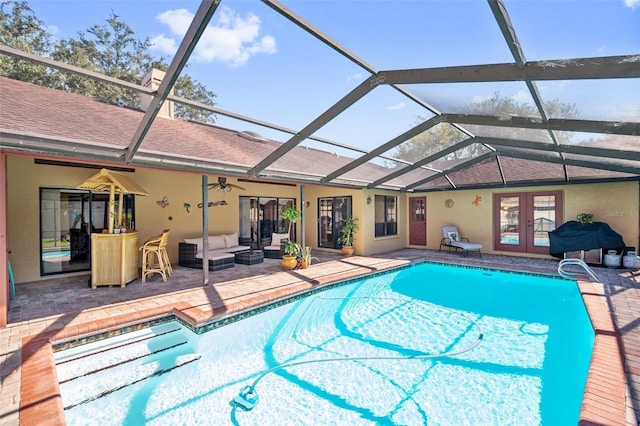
{"x": 41, "y": 403}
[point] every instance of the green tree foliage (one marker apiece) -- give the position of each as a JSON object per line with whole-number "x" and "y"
{"x": 111, "y": 49}
{"x": 445, "y": 135}
{"x": 21, "y": 29}
{"x": 429, "y": 142}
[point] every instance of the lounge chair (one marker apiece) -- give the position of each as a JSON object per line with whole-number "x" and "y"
{"x": 451, "y": 239}
{"x": 275, "y": 249}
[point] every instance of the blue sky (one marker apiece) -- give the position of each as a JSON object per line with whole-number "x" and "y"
{"x": 260, "y": 65}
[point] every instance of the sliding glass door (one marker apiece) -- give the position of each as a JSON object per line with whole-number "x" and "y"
{"x": 260, "y": 217}
{"x": 331, "y": 212}
{"x": 67, "y": 219}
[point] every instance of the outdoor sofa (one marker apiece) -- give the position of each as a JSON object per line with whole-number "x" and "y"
{"x": 221, "y": 251}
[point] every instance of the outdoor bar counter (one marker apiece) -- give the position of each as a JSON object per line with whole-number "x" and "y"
{"x": 114, "y": 259}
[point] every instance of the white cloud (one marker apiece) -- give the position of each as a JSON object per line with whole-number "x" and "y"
{"x": 231, "y": 39}
{"x": 399, "y": 105}
{"x": 481, "y": 99}
{"x": 357, "y": 76}
{"x": 522, "y": 97}
{"x": 632, "y": 3}
{"x": 177, "y": 20}
{"x": 164, "y": 44}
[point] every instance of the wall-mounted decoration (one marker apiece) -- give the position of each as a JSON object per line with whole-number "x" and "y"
{"x": 187, "y": 206}
{"x": 164, "y": 202}
{"x": 448, "y": 203}
{"x": 214, "y": 203}
{"x": 477, "y": 201}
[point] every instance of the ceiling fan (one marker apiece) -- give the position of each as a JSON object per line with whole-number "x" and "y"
{"x": 222, "y": 185}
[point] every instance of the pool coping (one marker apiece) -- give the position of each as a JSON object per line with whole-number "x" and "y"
{"x": 603, "y": 400}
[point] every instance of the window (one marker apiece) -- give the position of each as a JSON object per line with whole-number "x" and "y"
{"x": 386, "y": 216}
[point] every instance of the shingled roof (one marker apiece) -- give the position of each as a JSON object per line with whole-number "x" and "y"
{"x": 40, "y": 119}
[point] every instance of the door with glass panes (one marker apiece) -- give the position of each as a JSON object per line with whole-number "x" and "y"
{"x": 331, "y": 213}
{"x": 523, "y": 220}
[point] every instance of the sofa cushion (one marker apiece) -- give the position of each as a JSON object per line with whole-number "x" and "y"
{"x": 196, "y": 241}
{"x": 217, "y": 242}
{"x": 237, "y": 249}
{"x": 215, "y": 255}
{"x": 231, "y": 240}
{"x": 276, "y": 239}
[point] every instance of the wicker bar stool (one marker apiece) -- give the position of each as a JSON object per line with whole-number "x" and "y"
{"x": 155, "y": 259}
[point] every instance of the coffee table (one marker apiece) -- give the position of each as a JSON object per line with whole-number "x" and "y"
{"x": 249, "y": 257}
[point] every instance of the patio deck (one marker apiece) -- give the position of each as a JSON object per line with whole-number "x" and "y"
{"x": 65, "y": 307}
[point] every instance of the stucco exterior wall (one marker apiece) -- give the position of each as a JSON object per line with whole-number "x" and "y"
{"x": 26, "y": 178}
{"x": 365, "y": 243}
{"x": 614, "y": 203}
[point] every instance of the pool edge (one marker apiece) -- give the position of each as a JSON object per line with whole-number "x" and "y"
{"x": 603, "y": 403}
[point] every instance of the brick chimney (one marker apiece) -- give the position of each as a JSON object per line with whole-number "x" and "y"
{"x": 152, "y": 80}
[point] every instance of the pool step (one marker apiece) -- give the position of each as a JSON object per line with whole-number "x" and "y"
{"x": 116, "y": 341}
{"x": 119, "y": 354}
{"x": 97, "y": 369}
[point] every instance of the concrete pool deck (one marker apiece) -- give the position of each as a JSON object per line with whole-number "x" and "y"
{"x": 65, "y": 308}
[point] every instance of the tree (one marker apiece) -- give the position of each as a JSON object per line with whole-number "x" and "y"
{"x": 188, "y": 88}
{"x": 445, "y": 135}
{"x": 111, "y": 49}
{"x": 21, "y": 29}
{"x": 431, "y": 141}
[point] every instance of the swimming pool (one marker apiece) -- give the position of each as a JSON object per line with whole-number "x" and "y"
{"x": 528, "y": 368}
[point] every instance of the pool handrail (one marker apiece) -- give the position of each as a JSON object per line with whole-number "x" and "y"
{"x": 578, "y": 262}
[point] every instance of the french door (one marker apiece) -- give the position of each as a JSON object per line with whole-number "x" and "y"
{"x": 522, "y": 220}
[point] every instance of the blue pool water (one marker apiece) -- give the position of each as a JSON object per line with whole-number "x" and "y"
{"x": 525, "y": 344}
{"x": 55, "y": 254}
{"x": 515, "y": 240}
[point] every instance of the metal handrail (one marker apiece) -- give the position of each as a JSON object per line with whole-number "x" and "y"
{"x": 578, "y": 262}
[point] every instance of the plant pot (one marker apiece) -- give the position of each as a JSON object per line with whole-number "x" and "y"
{"x": 347, "y": 250}
{"x": 289, "y": 262}
{"x": 303, "y": 264}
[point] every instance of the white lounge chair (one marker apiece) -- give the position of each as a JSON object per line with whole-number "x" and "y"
{"x": 451, "y": 239}
{"x": 275, "y": 249}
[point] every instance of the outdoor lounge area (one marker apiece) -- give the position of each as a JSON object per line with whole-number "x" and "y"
{"x": 485, "y": 142}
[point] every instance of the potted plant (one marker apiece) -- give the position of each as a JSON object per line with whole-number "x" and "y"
{"x": 349, "y": 228}
{"x": 305, "y": 257}
{"x": 291, "y": 249}
{"x": 292, "y": 215}
{"x": 585, "y": 218}
{"x": 292, "y": 252}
